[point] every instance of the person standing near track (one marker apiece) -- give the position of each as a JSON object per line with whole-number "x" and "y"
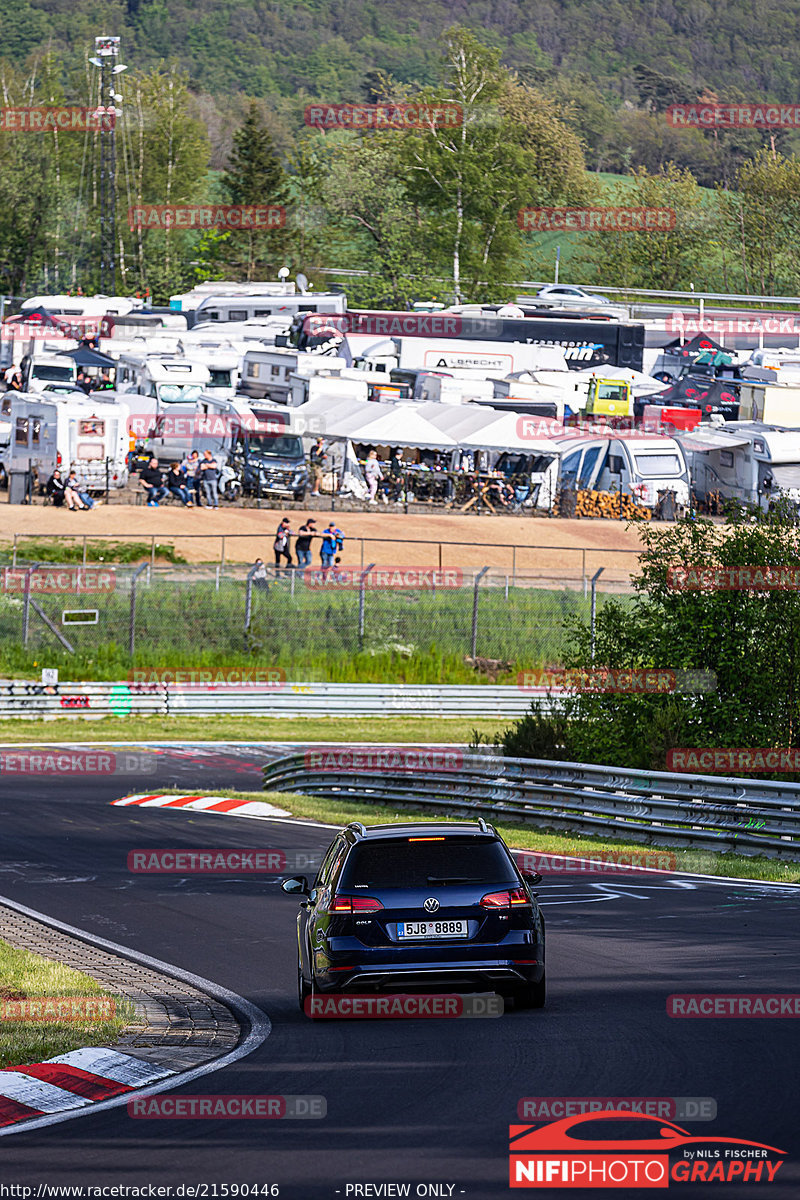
{"x": 332, "y": 540}
{"x": 302, "y": 542}
{"x": 209, "y": 473}
{"x": 282, "y": 544}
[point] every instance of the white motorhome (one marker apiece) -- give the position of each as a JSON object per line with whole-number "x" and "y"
{"x": 43, "y": 367}
{"x": 748, "y": 461}
{"x": 266, "y": 373}
{"x": 637, "y": 466}
{"x": 81, "y": 433}
{"x": 81, "y": 306}
{"x": 163, "y": 379}
{"x": 223, "y": 308}
{"x": 450, "y": 389}
{"x": 120, "y": 334}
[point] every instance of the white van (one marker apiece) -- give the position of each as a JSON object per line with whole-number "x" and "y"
{"x": 637, "y": 466}
{"x": 42, "y": 368}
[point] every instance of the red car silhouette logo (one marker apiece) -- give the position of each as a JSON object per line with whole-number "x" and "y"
{"x": 664, "y": 1136}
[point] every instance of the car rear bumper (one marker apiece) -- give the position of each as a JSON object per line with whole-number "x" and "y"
{"x": 491, "y": 974}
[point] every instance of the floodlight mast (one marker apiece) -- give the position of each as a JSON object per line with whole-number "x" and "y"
{"x": 106, "y": 52}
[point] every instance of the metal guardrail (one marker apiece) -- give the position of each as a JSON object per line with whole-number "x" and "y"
{"x": 654, "y": 807}
{"x": 20, "y": 698}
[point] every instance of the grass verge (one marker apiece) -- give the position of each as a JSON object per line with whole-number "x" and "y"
{"x": 524, "y": 837}
{"x": 250, "y": 729}
{"x": 27, "y": 976}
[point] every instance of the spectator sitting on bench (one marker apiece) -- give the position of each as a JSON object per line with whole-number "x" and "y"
{"x": 176, "y": 482}
{"x": 152, "y": 480}
{"x": 55, "y": 488}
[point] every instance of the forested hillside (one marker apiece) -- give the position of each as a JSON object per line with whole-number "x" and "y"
{"x": 329, "y": 46}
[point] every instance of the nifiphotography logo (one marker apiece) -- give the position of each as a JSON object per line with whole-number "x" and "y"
{"x": 623, "y": 1149}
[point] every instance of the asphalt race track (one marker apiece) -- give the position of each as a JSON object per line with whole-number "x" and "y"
{"x": 419, "y": 1102}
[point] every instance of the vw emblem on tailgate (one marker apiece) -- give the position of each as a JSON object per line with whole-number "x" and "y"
{"x": 431, "y": 904}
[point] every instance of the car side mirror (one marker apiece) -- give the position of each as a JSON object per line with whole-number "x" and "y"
{"x": 533, "y": 878}
{"x": 297, "y": 886}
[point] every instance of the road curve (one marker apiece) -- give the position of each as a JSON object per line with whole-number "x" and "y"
{"x": 425, "y": 1102}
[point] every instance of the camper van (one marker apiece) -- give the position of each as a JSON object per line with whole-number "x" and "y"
{"x": 79, "y": 306}
{"x": 162, "y": 380}
{"x": 45, "y": 367}
{"x": 119, "y": 334}
{"x": 637, "y": 466}
{"x": 326, "y": 385}
{"x": 84, "y": 433}
{"x": 751, "y": 462}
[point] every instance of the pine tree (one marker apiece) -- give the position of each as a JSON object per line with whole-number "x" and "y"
{"x": 255, "y": 176}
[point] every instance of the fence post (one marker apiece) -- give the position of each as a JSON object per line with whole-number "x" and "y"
{"x": 26, "y": 604}
{"x": 152, "y": 550}
{"x": 132, "y": 626}
{"x": 14, "y": 552}
{"x": 595, "y": 578}
{"x": 476, "y": 585}
{"x": 361, "y": 593}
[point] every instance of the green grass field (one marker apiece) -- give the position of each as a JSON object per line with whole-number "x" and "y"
{"x": 26, "y": 975}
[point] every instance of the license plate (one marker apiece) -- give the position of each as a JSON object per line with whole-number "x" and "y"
{"x": 431, "y": 929}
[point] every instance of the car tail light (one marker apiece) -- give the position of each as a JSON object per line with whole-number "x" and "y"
{"x": 505, "y": 899}
{"x": 355, "y": 904}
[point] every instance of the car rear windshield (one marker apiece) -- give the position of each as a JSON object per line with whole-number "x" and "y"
{"x": 405, "y": 863}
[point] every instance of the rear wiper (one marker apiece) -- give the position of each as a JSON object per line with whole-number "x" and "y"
{"x": 453, "y": 879}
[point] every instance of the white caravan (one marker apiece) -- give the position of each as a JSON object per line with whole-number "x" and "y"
{"x": 637, "y": 466}
{"x": 266, "y": 373}
{"x": 751, "y": 462}
{"x": 83, "y": 433}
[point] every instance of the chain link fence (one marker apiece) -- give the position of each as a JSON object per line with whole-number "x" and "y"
{"x": 422, "y": 626}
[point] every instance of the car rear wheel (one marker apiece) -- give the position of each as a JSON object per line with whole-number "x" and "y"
{"x": 531, "y": 995}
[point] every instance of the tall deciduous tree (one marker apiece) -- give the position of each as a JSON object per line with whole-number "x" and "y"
{"x": 504, "y": 149}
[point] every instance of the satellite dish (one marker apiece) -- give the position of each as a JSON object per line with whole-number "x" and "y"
{"x": 283, "y": 273}
{"x": 302, "y": 281}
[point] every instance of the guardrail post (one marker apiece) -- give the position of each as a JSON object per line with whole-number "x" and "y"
{"x": 476, "y": 585}
{"x": 26, "y": 604}
{"x": 132, "y": 625}
{"x": 361, "y": 595}
{"x": 595, "y": 578}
